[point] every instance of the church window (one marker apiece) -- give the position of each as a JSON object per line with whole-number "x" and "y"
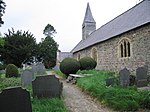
{"x": 125, "y": 48}
{"x": 94, "y": 54}
{"x": 128, "y": 49}
{"x": 121, "y": 48}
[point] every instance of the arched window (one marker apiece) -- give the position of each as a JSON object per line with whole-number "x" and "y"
{"x": 124, "y": 48}
{"x": 94, "y": 54}
{"x": 121, "y": 50}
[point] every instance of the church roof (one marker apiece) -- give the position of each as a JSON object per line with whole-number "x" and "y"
{"x": 131, "y": 19}
{"x": 88, "y": 15}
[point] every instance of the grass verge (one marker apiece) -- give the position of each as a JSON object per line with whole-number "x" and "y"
{"x": 58, "y": 72}
{"x": 117, "y": 97}
{"x": 48, "y": 105}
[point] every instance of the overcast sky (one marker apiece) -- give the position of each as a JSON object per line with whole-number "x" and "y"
{"x": 65, "y": 15}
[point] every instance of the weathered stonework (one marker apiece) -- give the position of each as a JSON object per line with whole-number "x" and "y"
{"x": 108, "y": 56}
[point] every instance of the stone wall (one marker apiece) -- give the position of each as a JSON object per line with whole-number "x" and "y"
{"x": 109, "y": 53}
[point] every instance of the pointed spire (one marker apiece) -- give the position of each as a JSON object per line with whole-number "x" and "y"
{"x": 88, "y": 15}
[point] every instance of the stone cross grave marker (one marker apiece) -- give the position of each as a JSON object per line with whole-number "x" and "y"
{"x": 26, "y": 77}
{"x": 47, "y": 87}
{"x": 15, "y": 100}
{"x": 141, "y": 76}
{"x": 124, "y": 77}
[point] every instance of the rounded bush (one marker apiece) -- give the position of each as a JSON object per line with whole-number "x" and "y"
{"x": 12, "y": 71}
{"x": 69, "y": 66}
{"x": 87, "y": 63}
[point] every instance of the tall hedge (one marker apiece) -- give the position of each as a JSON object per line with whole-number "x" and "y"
{"x": 87, "y": 63}
{"x": 69, "y": 66}
{"x": 12, "y": 71}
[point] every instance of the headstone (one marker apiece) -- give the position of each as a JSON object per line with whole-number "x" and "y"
{"x": 110, "y": 81}
{"x": 141, "y": 76}
{"x": 26, "y": 78}
{"x": 34, "y": 68}
{"x": 124, "y": 77}
{"x": 47, "y": 87}
{"x": 40, "y": 69}
{"x": 15, "y": 100}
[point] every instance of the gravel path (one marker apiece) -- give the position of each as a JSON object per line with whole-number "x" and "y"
{"x": 77, "y": 101}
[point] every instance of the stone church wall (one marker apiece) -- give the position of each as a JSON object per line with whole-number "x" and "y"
{"x": 108, "y": 52}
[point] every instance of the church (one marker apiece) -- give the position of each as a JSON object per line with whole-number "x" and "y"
{"x": 122, "y": 42}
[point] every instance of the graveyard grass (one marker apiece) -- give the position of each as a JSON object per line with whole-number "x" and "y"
{"x": 58, "y": 72}
{"x": 48, "y": 105}
{"x": 116, "y": 97}
{"x": 38, "y": 105}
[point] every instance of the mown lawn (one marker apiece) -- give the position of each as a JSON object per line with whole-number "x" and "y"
{"x": 38, "y": 105}
{"x": 116, "y": 97}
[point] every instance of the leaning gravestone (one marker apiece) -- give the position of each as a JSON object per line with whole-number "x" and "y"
{"x": 26, "y": 78}
{"x": 15, "y": 100}
{"x": 47, "y": 87}
{"x": 141, "y": 76}
{"x": 124, "y": 77}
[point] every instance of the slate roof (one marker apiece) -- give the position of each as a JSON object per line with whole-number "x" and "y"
{"x": 131, "y": 19}
{"x": 88, "y": 15}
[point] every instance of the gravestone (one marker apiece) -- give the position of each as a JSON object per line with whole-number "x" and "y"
{"x": 34, "y": 68}
{"x": 47, "y": 87}
{"x": 110, "y": 81}
{"x": 26, "y": 77}
{"x": 141, "y": 76}
{"x": 15, "y": 100}
{"x": 38, "y": 69}
{"x": 124, "y": 77}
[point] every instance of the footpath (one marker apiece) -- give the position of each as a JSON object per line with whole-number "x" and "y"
{"x": 78, "y": 101}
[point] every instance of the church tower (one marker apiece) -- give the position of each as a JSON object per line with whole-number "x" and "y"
{"x": 89, "y": 24}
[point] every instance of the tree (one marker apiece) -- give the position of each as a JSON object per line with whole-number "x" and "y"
{"x": 19, "y": 47}
{"x": 49, "y": 30}
{"x": 2, "y": 11}
{"x": 1, "y": 41}
{"x": 48, "y": 52}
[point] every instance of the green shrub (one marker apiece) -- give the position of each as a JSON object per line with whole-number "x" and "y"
{"x": 69, "y": 66}
{"x": 12, "y": 71}
{"x": 87, "y": 63}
